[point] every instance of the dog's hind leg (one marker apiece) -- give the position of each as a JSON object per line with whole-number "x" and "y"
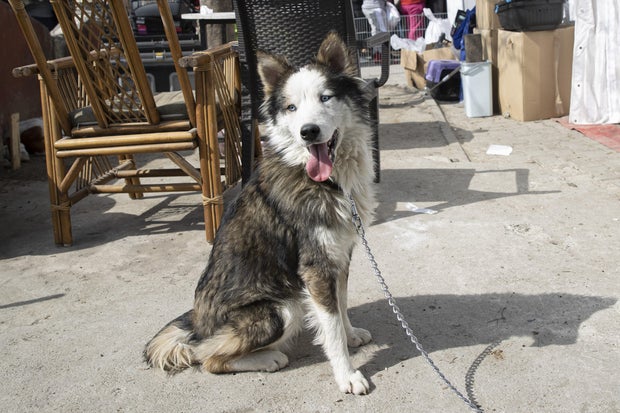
{"x": 261, "y": 360}
{"x": 248, "y": 342}
{"x": 170, "y": 349}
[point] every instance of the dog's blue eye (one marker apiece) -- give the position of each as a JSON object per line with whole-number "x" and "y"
{"x": 291, "y": 108}
{"x": 325, "y": 98}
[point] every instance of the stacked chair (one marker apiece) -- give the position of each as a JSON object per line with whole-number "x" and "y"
{"x": 100, "y": 113}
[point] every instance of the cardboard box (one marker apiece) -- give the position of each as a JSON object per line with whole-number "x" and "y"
{"x": 535, "y": 70}
{"x": 486, "y": 19}
{"x": 415, "y": 64}
{"x": 490, "y": 53}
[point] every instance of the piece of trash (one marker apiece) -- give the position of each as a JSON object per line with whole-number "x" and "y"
{"x": 436, "y": 27}
{"x": 205, "y": 10}
{"x": 413, "y": 208}
{"x": 503, "y": 150}
{"x": 398, "y": 43}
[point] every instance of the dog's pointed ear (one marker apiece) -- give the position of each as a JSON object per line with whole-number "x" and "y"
{"x": 334, "y": 54}
{"x": 271, "y": 69}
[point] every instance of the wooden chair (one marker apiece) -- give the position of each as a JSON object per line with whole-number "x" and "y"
{"x": 97, "y": 105}
{"x": 295, "y": 29}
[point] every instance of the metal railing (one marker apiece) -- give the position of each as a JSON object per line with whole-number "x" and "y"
{"x": 362, "y": 31}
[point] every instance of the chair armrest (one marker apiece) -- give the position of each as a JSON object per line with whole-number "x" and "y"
{"x": 377, "y": 39}
{"x": 204, "y": 58}
{"x": 54, "y": 65}
{"x": 25, "y": 71}
{"x": 380, "y": 39}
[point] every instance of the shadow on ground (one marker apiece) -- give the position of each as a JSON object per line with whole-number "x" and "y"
{"x": 26, "y": 219}
{"x": 417, "y": 135}
{"x": 27, "y": 228}
{"x": 440, "y": 189}
{"x": 443, "y": 322}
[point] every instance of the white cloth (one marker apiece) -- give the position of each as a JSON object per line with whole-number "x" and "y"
{"x": 595, "y": 88}
{"x": 374, "y": 4}
{"x": 377, "y": 18}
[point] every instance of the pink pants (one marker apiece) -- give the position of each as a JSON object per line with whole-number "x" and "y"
{"x": 415, "y": 19}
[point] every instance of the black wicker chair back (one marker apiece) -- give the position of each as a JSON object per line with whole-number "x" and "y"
{"x": 295, "y": 29}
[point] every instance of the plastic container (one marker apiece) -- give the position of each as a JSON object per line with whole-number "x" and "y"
{"x": 440, "y": 87}
{"x": 530, "y": 15}
{"x": 477, "y": 89}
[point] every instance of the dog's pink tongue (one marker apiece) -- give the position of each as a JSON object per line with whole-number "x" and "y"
{"x": 319, "y": 167}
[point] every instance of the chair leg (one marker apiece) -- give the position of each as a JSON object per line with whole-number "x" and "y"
{"x": 57, "y": 218}
{"x": 59, "y": 202}
{"x": 131, "y": 181}
{"x": 206, "y": 122}
{"x": 61, "y": 205}
{"x": 374, "y": 115}
{"x": 62, "y": 214}
{"x": 212, "y": 198}
{"x": 258, "y": 145}
{"x": 248, "y": 147}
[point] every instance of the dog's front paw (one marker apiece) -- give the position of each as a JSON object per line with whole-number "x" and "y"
{"x": 355, "y": 383}
{"x": 358, "y": 337}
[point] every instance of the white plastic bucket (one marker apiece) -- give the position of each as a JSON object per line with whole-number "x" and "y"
{"x": 477, "y": 93}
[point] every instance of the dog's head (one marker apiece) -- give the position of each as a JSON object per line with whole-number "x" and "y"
{"x": 310, "y": 109}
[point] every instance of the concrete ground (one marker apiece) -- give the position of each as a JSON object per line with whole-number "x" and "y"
{"x": 511, "y": 285}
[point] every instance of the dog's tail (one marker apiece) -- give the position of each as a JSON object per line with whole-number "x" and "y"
{"x": 170, "y": 349}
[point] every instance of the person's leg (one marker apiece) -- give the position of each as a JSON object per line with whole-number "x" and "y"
{"x": 416, "y": 22}
{"x": 414, "y": 19}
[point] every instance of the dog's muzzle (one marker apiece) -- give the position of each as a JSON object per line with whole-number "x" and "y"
{"x": 322, "y": 158}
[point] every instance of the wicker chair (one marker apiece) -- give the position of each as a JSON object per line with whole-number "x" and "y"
{"x": 97, "y": 105}
{"x": 295, "y": 29}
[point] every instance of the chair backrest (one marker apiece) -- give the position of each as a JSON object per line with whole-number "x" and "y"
{"x": 100, "y": 40}
{"x": 293, "y": 28}
{"x": 111, "y": 77}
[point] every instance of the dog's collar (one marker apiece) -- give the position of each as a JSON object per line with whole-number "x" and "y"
{"x": 333, "y": 184}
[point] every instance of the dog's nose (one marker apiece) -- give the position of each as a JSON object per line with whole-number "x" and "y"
{"x": 310, "y": 131}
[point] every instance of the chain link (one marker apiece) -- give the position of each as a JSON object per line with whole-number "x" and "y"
{"x": 359, "y": 227}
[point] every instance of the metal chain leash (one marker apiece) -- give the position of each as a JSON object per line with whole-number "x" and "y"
{"x": 359, "y": 227}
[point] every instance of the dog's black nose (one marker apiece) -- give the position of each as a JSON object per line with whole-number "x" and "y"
{"x": 310, "y": 131}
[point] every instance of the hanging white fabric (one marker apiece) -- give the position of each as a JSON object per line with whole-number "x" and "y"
{"x": 595, "y": 89}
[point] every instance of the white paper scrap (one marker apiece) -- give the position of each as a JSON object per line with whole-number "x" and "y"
{"x": 413, "y": 208}
{"x": 503, "y": 150}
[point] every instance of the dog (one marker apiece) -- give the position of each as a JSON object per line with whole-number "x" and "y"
{"x": 280, "y": 259}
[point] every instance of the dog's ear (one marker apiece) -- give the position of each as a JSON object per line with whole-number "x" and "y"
{"x": 271, "y": 69}
{"x": 334, "y": 54}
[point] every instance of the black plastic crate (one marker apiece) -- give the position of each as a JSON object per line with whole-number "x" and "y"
{"x": 530, "y": 15}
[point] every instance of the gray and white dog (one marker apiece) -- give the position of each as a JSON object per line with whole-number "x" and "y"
{"x": 281, "y": 256}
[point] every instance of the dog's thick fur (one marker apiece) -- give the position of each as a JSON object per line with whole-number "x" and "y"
{"x": 281, "y": 255}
